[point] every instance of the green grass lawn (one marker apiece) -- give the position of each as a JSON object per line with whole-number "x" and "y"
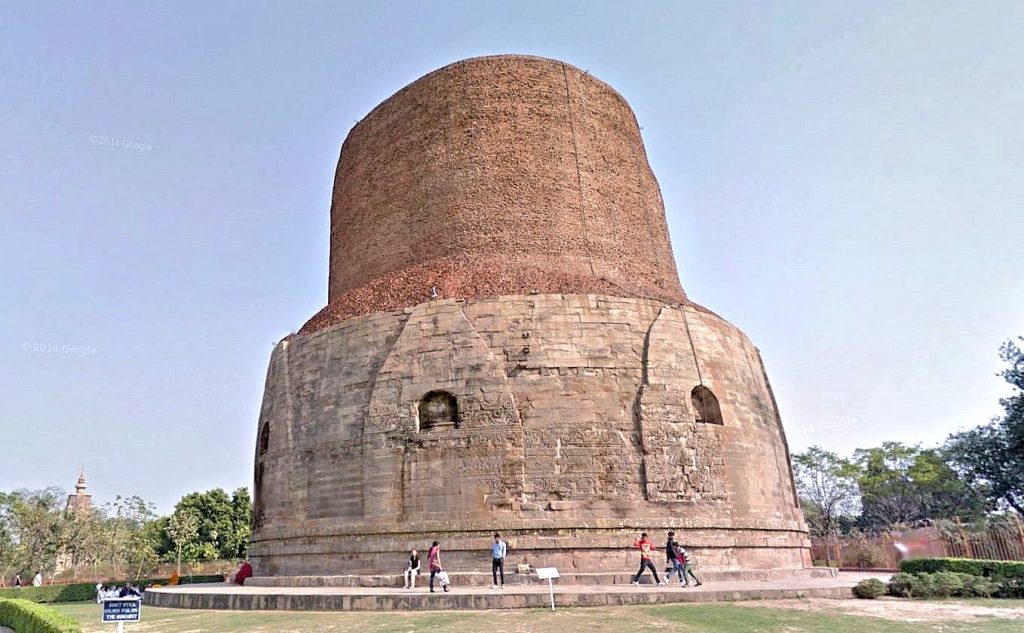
{"x": 696, "y": 618}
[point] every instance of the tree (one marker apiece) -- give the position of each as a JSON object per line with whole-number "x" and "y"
{"x": 237, "y": 543}
{"x": 991, "y": 457}
{"x": 123, "y": 521}
{"x": 83, "y": 538}
{"x": 33, "y": 523}
{"x": 183, "y": 529}
{"x": 141, "y": 551}
{"x": 8, "y": 553}
{"x": 224, "y": 523}
{"x": 903, "y": 485}
{"x": 827, "y": 487}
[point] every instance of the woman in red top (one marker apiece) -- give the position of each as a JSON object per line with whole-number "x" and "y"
{"x": 434, "y": 562}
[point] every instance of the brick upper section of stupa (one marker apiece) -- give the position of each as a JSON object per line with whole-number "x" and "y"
{"x": 496, "y": 176}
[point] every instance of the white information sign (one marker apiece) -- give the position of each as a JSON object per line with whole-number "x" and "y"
{"x": 548, "y": 573}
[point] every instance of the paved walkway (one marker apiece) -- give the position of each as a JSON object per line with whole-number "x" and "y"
{"x": 224, "y": 596}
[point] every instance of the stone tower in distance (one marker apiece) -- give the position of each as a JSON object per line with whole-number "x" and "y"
{"x": 507, "y": 347}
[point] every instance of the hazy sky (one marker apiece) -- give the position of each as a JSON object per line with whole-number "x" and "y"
{"x": 843, "y": 181}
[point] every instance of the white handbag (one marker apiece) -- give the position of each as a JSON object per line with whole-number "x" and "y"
{"x": 443, "y": 577}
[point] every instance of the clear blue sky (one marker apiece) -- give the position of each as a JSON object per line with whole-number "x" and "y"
{"x": 844, "y": 181}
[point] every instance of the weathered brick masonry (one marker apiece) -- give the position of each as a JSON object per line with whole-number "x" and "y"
{"x": 496, "y": 176}
{"x": 561, "y": 389}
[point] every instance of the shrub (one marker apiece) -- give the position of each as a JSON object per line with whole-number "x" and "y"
{"x": 978, "y": 587}
{"x": 946, "y": 583}
{"x": 25, "y": 616}
{"x": 900, "y": 585}
{"x": 869, "y": 589}
{"x": 1011, "y": 588}
{"x": 79, "y": 592}
{"x": 972, "y": 566}
{"x": 922, "y": 586}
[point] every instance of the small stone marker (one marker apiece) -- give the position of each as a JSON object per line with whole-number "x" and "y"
{"x": 548, "y": 573}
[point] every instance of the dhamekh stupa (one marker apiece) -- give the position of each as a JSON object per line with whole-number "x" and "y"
{"x": 507, "y": 347}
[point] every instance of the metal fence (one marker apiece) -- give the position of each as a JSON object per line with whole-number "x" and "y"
{"x": 885, "y": 551}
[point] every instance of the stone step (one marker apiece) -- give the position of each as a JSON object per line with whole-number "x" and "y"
{"x": 515, "y": 579}
{"x": 227, "y": 597}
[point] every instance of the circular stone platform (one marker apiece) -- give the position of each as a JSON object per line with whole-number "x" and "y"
{"x": 231, "y": 597}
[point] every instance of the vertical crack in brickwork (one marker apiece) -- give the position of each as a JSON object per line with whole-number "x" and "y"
{"x": 696, "y": 363}
{"x": 638, "y": 416}
{"x": 579, "y": 175}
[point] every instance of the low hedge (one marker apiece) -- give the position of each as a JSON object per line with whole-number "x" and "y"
{"x": 86, "y": 591}
{"x": 972, "y": 566}
{"x": 79, "y": 592}
{"x": 945, "y": 584}
{"x": 192, "y": 580}
{"x": 25, "y": 616}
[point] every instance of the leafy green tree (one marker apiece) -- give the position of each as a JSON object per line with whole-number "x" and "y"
{"x": 236, "y": 546}
{"x": 141, "y": 549}
{"x": 125, "y": 518}
{"x": 224, "y": 523}
{"x": 183, "y": 529}
{"x": 35, "y": 523}
{"x": 83, "y": 538}
{"x": 827, "y": 487}
{"x": 8, "y": 544}
{"x": 903, "y": 485}
{"x": 991, "y": 457}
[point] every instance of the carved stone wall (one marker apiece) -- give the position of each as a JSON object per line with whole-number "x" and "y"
{"x": 576, "y": 430}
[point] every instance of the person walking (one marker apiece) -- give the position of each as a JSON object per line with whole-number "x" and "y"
{"x": 674, "y": 566}
{"x": 37, "y": 580}
{"x": 498, "y": 551}
{"x": 644, "y": 545}
{"x": 17, "y": 581}
{"x": 412, "y": 570}
{"x": 434, "y": 564}
{"x": 687, "y": 563}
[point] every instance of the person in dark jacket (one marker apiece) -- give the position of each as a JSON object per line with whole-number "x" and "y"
{"x": 672, "y": 563}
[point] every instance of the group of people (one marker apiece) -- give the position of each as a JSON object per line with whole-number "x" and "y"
{"x": 499, "y": 549}
{"x": 37, "y": 580}
{"x": 112, "y": 592}
{"x": 677, "y": 559}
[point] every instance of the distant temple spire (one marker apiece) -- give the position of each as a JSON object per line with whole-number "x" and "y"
{"x": 80, "y": 501}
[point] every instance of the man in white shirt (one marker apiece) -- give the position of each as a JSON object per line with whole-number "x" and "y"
{"x": 498, "y": 551}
